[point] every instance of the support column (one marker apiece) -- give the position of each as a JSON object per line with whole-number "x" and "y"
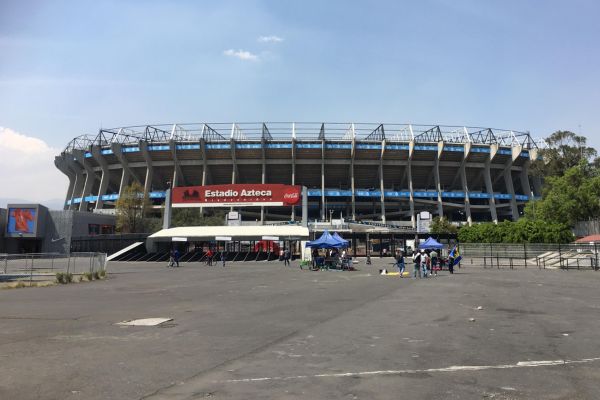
{"x": 294, "y": 171}
{"x": 204, "y": 167}
{"x": 465, "y": 186}
{"x": 79, "y": 183}
{"x": 438, "y": 185}
{"x": 263, "y": 178}
{"x": 352, "y": 187}
{"x": 90, "y": 179}
{"x": 514, "y": 210}
{"x": 488, "y": 183}
{"x": 524, "y": 178}
{"x": 178, "y": 176}
{"x": 118, "y": 152}
{"x": 125, "y": 179}
{"x": 61, "y": 163}
{"x": 105, "y": 179}
{"x": 323, "y": 211}
{"x": 411, "y": 201}
{"x": 381, "y": 184}
{"x": 149, "y": 169}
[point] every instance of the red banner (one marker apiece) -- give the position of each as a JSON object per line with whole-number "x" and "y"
{"x": 236, "y": 195}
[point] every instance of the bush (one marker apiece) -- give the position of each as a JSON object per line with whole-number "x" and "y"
{"x": 88, "y": 275}
{"x": 523, "y": 231}
{"x": 64, "y": 277}
{"x": 20, "y": 284}
{"x": 102, "y": 273}
{"x": 96, "y": 275}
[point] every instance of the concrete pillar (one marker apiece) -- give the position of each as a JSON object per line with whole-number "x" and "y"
{"x": 411, "y": 201}
{"x": 263, "y": 178}
{"x": 488, "y": 183}
{"x": 90, "y": 179}
{"x": 118, "y": 152}
{"x": 514, "y": 211}
{"x": 149, "y": 169}
{"x": 438, "y": 185}
{"x": 465, "y": 186}
{"x": 323, "y": 211}
{"x": 381, "y": 183}
{"x": 105, "y": 179}
{"x": 293, "y": 217}
{"x": 61, "y": 163}
{"x": 178, "y": 176}
{"x": 352, "y": 187}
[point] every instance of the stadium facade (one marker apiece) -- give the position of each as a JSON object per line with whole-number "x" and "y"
{"x": 370, "y": 172}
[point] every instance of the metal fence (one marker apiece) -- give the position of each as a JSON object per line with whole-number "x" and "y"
{"x": 531, "y": 255}
{"x": 44, "y": 266}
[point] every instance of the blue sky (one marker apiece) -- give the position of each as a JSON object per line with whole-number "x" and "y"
{"x": 68, "y": 68}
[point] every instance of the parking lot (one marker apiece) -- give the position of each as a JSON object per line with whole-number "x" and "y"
{"x": 261, "y": 330}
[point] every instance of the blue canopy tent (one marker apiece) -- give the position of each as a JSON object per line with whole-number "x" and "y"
{"x": 431, "y": 243}
{"x": 326, "y": 241}
{"x": 343, "y": 242}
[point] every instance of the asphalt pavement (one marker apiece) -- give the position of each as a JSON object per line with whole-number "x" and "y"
{"x": 265, "y": 331}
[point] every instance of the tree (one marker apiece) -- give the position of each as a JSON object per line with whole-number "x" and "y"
{"x": 192, "y": 217}
{"x": 565, "y": 150}
{"x": 572, "y": 197}
{"x": 442, "y": 225}
{"x": 130, "y": 209}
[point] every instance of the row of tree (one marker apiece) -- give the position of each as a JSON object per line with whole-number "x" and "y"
{"x": 571, "y": 193}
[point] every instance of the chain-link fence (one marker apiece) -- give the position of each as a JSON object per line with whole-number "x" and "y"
{"x": 44, "y": 266}
{"x": 531, "y": 255}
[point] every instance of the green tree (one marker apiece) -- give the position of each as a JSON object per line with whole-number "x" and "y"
{"x": 130, "y": 209}
{"x": 192, "y": 217}
{"x": 571, "y": 197}
{"x": 565, "y": 150}
{"x": 442, "y": 225}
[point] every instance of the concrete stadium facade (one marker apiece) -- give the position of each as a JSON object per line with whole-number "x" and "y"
{"x": 376, "y": 172}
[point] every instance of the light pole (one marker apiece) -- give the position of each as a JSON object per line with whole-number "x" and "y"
{"x": 330, "y": 216}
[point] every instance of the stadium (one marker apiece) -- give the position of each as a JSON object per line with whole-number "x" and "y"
{"x": 388, "y": 173}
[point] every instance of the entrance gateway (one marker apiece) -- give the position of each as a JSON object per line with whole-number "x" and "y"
{"x": 234, "y": 195}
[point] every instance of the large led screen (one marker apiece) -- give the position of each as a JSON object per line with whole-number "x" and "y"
{"x": 21, "y": 220}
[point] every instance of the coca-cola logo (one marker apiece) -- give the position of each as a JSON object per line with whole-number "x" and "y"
{"x": 291, "y": 196}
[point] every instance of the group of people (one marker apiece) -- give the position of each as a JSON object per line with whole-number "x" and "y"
{"x": 426, "y": 263}
{"x": 174, "y": 256}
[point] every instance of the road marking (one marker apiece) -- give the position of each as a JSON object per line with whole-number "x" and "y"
{"x": 452, "y": 368}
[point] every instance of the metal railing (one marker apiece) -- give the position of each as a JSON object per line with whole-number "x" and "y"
{"x": 531, "y": 255}
{"x": 44, "y": 266}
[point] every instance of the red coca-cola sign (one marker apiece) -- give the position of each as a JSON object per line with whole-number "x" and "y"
{"x": 236, "y": 195}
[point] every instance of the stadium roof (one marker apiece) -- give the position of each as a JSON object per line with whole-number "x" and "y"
{"x": 304, "y": 131}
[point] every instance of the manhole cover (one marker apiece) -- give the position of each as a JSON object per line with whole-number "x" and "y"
{"x": 144, "y": 322}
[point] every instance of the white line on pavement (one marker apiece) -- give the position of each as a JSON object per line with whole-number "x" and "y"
{"x": 453, "y": 368}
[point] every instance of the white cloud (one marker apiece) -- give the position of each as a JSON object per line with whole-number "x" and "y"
{"x": 270, "y": 39}
{"x": 27, "y": 168}
{"x": 241, "y": 54}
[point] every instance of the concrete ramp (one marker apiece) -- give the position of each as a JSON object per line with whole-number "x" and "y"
{"x": 123, "y": 251}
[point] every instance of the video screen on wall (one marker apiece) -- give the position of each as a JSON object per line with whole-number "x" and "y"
{"x": 21, "y": 220}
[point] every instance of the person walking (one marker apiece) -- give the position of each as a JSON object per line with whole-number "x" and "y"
{"x": 417, "y": 264}
{"x": 209, "y": 257}
{"x": 434, "y": 262}
{"x": 223, "y": 257}
{"x": 176, "y": 257}
{"x": 400, "y": 263}
{"x": 425, "y": 262}
{"x": 171, "y": 259}
{"x": 286, "y": 257}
